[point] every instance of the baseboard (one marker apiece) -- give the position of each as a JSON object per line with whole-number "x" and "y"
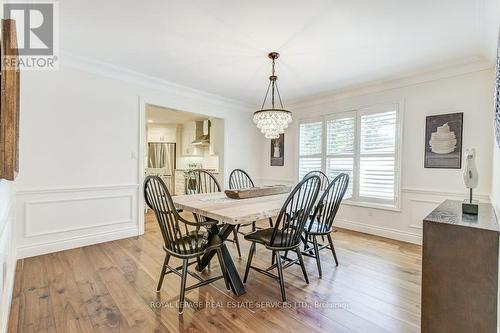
{"x": 380, "y": 231}
{"x": 71, "y": 243}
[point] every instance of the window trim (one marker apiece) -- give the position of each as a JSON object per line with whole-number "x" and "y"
{"x": 358, "y": 112}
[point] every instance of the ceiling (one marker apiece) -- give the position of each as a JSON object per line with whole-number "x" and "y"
{"x": 220, "y": 46}
{"x": 161, "y": 115}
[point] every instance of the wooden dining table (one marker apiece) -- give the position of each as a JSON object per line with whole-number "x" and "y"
{"x": 230, "y": 213}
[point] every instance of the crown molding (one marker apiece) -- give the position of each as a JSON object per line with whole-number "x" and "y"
{"x": 463, "y": 67}
{"x": 467, "y": 66}
{"x": 108, "y": 70}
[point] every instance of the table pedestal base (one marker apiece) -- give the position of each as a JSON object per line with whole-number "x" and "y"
{"x": 234, "y": 278}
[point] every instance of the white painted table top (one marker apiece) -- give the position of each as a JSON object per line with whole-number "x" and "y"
{"x": 232, "y": 211}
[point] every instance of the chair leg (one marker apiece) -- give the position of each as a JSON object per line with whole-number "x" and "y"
{"x": 301, "y": 260}
{"x": 333, "y": 249}
{"x": 249, "y": 262}
{"x": 273, "y": 258}
{"x": 280, "y": 276}
{"x": 235, "y": 233}
{"x": 254, "y": 227}
{"x": 223, "y": 268}
{"x": 183, "y": 285}
{"x": 163, "y": 271}
{"x": 271, "y": 222}
{"x": 316, "y": 250}
{"x": 198, "y": 261}
{"x": 306, "y": 238}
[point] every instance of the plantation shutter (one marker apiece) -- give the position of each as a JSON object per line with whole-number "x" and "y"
{"x": 310, "y": 143}
{"x": 340, "y": 141}
{"x": 377, "y": 157}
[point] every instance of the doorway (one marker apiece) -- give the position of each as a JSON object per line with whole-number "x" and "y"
{"x": 176, "y": 142}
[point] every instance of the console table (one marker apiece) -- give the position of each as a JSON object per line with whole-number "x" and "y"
{"x": 460, "y": 270}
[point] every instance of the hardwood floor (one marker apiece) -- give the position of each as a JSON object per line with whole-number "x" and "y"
{"x": 110, "y": 287}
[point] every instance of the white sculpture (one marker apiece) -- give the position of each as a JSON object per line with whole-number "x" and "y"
{"x": 470, "y": 171}
{"x": 470, "y": 180}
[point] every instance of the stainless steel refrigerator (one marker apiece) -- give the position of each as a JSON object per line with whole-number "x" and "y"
{"x": 161, "y": 162}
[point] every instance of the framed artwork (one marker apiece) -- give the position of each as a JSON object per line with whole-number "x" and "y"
{"x": 278, "y": 151}
{"x": 497, "y": 96}
{"x": 443, "y": 141}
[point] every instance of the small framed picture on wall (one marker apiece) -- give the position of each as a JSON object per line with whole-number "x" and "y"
{"x": 443, "y": 141}
{"x": 278, "y": 151}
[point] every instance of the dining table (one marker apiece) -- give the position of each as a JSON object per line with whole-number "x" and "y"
{"x": 229, "y": 212}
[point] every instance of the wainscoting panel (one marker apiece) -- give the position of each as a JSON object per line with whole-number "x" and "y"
{"x": 420, "y": 208}
{"x": 56, "y": 219}
{"x": 404, "y": 225}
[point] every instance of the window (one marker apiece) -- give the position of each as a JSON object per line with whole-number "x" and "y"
{"x": 310, "y": 147}
{"x": 362, "y": 143}
{"x": 340, "y": 148}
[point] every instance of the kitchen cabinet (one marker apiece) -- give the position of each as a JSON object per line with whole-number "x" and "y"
{"x": 216, "y": 136}
{"x": 162, "y": 133}
{"x": 188, "y": 136}
{"x": 180, "y": 182}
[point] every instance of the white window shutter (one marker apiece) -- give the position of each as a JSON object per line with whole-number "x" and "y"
{"x": 340, "y": 141}
{"x": 310, "y": 142}
{"x": 362, "y": 143}
{"x": 377, "y": 162}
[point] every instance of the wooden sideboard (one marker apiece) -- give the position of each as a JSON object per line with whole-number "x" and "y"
{"x": 460, "y": 270}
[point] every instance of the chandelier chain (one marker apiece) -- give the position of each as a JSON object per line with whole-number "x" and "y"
{"x": 272, "y": 122}
{"x": 265, "y": 97}
{"x": 279, "y": 97}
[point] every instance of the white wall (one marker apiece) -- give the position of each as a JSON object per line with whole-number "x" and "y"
{"x": 7, "y": 251}
{"x": 79, "y": 145}
{"x": 422, "y": 189}
{"x": 495, "y": 183}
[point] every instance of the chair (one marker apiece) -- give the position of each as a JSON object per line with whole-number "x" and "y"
{"x": 178, "y": 240}
{"x": 324, "y": 178}
{"x": 240, "y": 179}
{"x": 285, "y": 236}
{"x": 202, "y": 181}
{"x": 324, "y": 183}
{"x": 320, "y": 224}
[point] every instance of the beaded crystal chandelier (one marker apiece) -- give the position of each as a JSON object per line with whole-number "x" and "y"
{"x": 272, "y": 122}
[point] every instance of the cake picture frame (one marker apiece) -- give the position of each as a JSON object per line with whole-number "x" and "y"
{"x": 443, "y": 141}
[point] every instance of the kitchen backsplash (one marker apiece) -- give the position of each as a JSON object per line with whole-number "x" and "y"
{"x": 191, "y": 162}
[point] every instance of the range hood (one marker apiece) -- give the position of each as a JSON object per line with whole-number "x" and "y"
{"x": 202, "y": 133}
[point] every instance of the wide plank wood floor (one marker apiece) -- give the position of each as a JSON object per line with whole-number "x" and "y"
{"x": 110, "y": 287}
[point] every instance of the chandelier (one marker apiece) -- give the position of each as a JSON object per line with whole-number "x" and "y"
{"x": 272, "y": 122}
